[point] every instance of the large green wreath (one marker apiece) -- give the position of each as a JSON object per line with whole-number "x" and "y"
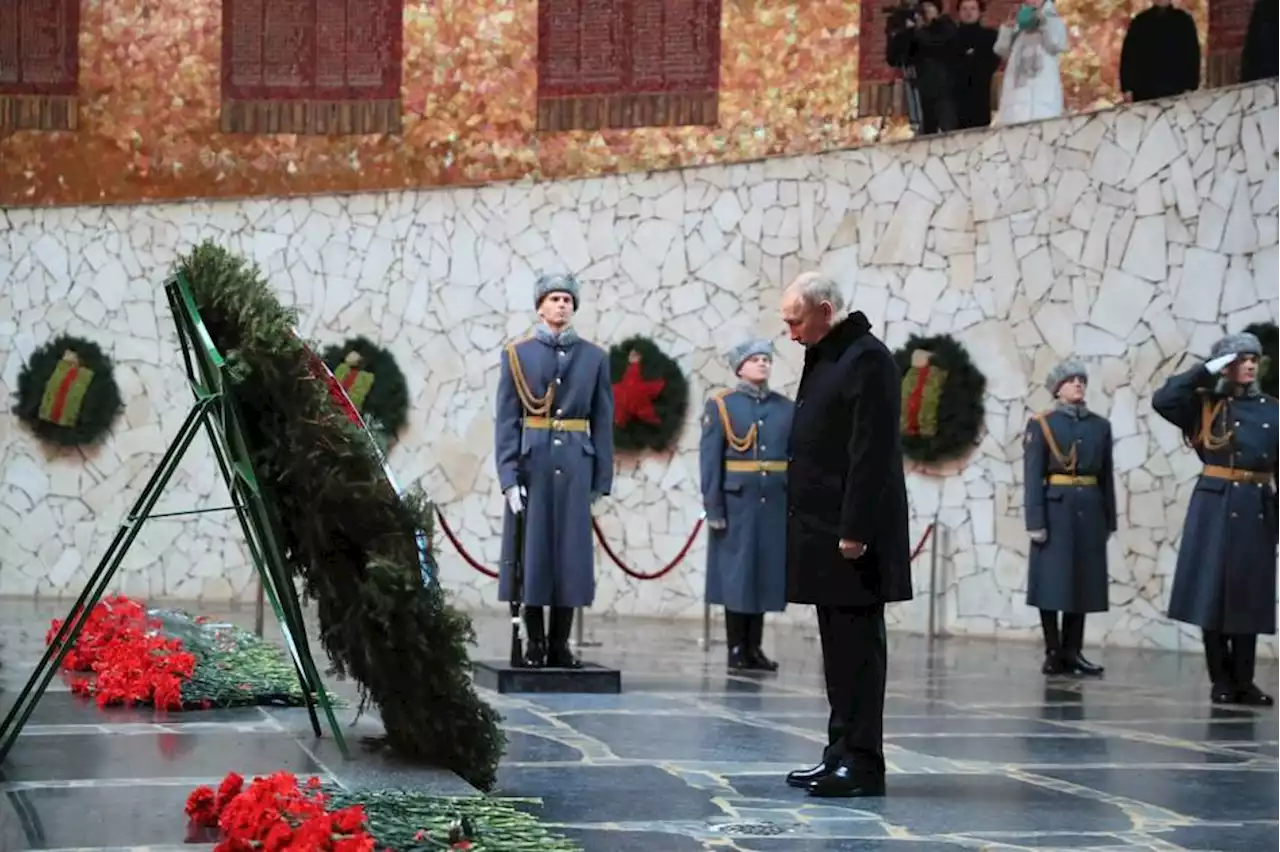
{"x": 942, "y": 394}
{"x": 1266, "y": 333}
{"x": 644, "y": 373}
{"x": 374, "y": 383}
{"x": 67, "y": 394}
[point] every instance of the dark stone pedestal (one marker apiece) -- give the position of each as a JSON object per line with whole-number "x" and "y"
{"x": 501, "y": 677}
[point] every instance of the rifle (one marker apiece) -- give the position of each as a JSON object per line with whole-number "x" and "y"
{"x": 517, "y": 591}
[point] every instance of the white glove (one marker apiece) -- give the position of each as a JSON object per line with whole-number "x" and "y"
{"x": 1039, "y": 536}
{"x": 1217, "y": 365}
{"x": 718, "y": 525}
{"x": 515, "y": 499}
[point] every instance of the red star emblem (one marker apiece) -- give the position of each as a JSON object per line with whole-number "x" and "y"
{"x": 633, "y": 396}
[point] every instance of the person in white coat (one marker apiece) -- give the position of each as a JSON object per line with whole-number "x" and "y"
{"x": 1030, "y": 43}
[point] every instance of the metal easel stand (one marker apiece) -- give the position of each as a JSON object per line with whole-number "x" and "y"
{"x": 217, "y": 412}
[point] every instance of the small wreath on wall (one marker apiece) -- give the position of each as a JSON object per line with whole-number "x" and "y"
{"x": 650, "y": 396}
{"x": 942, "y": 393}
{"x": 67, "y": 393}
{"x": 374, "y": 383}
{"x": 1266, "y": 333}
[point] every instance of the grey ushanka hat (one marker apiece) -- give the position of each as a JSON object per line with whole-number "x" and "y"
{"x": 556, "y": 282}
{"x": 1068, "y": 369}
{"x": 744, "y": 350}
{"x": 1242, "y": 343}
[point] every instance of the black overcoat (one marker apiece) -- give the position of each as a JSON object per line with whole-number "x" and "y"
{"x": 1226, "y": 573}
{"x": 845, "y": 477}
{"x": 1160, "y": 56}
{"x": 1067, "y": 572}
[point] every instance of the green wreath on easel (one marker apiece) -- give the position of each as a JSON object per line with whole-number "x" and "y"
{"x": 650, "y": 396}
{"x": 67, "y": 394}
{"x": 1266, "y": 333}
{"x": 373, "y": 382}
{"x": 942, "y": 392}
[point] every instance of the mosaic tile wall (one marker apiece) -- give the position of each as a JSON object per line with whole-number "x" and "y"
{"x": 149, "y": 105}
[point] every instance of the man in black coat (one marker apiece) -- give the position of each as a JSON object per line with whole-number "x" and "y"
{"x": 975, "y": 64}
{"x": 847, "y": 547}
{"x": 1160, "y": 56}
{"x": 1259, "y": 58}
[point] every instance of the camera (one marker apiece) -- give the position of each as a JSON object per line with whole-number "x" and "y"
{"x": 899, "y": 14}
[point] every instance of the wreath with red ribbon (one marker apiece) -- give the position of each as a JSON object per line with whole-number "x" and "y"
{"x": 650, "y": 396}
{"x": 374, "y": 384}
{"x": 942, "y": 392}
{"x": 67, "y": 394}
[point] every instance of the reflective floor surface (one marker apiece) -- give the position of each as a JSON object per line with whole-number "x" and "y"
{"x": 983, "y": 751}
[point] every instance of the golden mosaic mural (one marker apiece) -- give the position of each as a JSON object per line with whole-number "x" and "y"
{"x": 149, "y": 104}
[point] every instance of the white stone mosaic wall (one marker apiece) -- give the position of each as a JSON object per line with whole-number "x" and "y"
{"x": 1127, "y": 237}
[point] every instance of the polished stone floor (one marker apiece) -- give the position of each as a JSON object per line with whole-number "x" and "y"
{"x": 984, "y": 753}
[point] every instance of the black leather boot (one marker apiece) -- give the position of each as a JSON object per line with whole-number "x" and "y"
{"x": 535, "y": 643}
{"x": 1052, "y": 643}
{"x": 1073, "y": 661}
{"x": 558, "y": 654}
{"x": 735, "y": 637}
{"x": 755, "y": 638}
{"x": 1217, "y": 659}
{"x": 1244, "y": 660}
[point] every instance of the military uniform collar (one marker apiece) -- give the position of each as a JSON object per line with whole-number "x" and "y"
{"x": 1078, "y": 410}
{"x": 568, "y": 337}
{"x": 754, "y": 391}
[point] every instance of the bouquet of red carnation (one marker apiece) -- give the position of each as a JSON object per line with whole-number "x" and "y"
{"x": 275, "y": 815}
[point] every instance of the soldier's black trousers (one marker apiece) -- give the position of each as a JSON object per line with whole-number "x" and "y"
{"x": 1067, "y": 641}
{"x": 743, "y": 630}
{"x": 855, "y": 653}
{"x": 1231, "y": 658}
{"x": 561, "y": 624}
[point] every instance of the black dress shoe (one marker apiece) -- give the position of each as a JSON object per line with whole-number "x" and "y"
{"x": 759, "y": 662}
{"x": 738, "y": 659}
{"x": 802, "y": 778}
{"x": 560, "y": 657}
{"x": 1220, "y": 694}
{"x": 845, "y": 783}
{"x": 1251, "y": 696}
{"x": 1052, "y": 664}
{"x": 1078, "y": 665}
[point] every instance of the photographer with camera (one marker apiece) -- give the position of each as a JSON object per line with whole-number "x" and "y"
{"x": 921, "y": 41}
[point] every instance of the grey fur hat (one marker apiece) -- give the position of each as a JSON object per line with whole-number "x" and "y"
{"x": 744, "y": 350}
{"x": 555, "y": 282}
{"x": 1242, "y": 343}
{"x": 1068, "y": 369}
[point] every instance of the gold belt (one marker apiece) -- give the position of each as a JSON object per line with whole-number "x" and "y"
{"x": 1233, "y": 474}
{"x": 555, "y": 424}
{"x": 744, "y": 466}
{"x": 1067, "y": 479}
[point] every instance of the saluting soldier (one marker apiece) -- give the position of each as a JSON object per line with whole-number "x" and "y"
{"x": 1070, "y": 506}
{"x": 744, "y": 492}
{"x": 1225, "y": 581}
{"x": 553, "y": 445}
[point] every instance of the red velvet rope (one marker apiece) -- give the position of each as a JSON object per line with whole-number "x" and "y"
{"x": 617, "y": 560}
{"x": 661, "y": 572}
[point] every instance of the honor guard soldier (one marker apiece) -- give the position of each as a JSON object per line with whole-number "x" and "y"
{"x": 744, "y": 492}
{"x": 1070, "y": 506}
{"x": 1225, "y": 581}
{"x": 553, "y": 445}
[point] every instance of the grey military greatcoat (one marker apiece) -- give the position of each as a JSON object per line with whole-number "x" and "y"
{"x": 1069, "y": 492}
{"x": 553, "y": 434}
{"x": 1226, "y": 574}
{"x": 743, "y": 456}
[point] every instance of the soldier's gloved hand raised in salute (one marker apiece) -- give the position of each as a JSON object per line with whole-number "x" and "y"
{"x": 515, "y": 498}
{"x": 1217, "y": 365}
